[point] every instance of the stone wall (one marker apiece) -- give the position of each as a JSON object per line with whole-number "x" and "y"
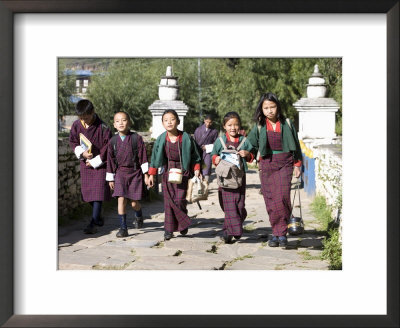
{"x": 69, "y": 183}
{"x": 328, "y": 173}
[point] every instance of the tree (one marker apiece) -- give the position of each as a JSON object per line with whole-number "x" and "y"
{"x": 66, "y": 85}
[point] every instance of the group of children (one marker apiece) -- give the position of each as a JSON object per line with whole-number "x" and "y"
{"x": 118, "y": 163}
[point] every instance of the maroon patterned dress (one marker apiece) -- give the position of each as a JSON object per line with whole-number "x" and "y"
{"x": 176, "y": 218}
{"x": 128, "y": 180}
{"x": 94, "y": 186}
{"x": 232, "y": 202}
{"x": 276, "y": 176}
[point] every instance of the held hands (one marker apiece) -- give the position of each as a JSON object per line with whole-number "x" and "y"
{"x": 217, "y": 160}
{"x": 297, "y": 171}
{"x": 111, "y": 184}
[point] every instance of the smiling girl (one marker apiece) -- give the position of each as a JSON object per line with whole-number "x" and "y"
{"x": 126, "y": 165}
{"x": 232, "y": 201}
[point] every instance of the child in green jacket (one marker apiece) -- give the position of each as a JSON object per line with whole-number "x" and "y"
{"x": 175, "y": 152}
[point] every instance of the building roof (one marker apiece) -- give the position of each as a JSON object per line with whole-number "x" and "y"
{"x": 78, "y": 72}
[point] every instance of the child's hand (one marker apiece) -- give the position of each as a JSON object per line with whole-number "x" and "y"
{"x": 297, "y": 171}
{"x": 87, "y": 155}
{"x": 217, "y": 160}
{"x": 88, "y": 163}
{"x": 146, "y": 179}
{"x": 243, "y": 153}
{"x": 111, "y": 184}
{"x": 150, "y": 181}
{"x": 197, "y": 173}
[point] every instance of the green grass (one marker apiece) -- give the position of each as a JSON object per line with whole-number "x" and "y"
{"x": 322, "y": 212}
{"x": 213, "y": 249}
{"x": 279, "y": 267}
{"x": 333, "y": 250}
{"x": 307, "y": 256}
{"x": 111, "y": 267}
{"x": 249, "y": 228}
{"x": 239, "y": 258}
{"x": 160, "y": 244}
{"x": 332, "y": 247}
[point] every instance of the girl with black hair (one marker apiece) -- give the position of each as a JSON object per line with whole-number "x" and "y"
{"x": 176, "y": 153}
{"x": 276, "y": 139}
{"x": 232, "y": 201}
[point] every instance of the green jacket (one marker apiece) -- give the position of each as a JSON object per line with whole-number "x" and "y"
{"x": 218, "y": 148}
{"x": 290, "y": 140}
{"x": 190, "y": 154}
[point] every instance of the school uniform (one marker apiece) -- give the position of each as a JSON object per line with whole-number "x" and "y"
{"x": 125, "y": 169}
{"x": 93, "y": 183}
{"x": 205, "y": 136}
{"x": 232, "y": 201}
{"x": 279, "y": 152}
{"x": 181, "y": 154}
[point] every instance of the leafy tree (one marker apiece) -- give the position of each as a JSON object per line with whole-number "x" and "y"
{"x": 227, "y": 84}
{"x": 66, "y": 87}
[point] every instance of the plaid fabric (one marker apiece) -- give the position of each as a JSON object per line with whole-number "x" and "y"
{"x": 94, "y": 186}
{"x": 176, "y": 218}
{"x": 203, "y": 137}
{"x": 276, "y": 176}
{"x": 128, "y": 181}
{"x": 274, "y": 140}
{"x": 207, "y": 161}
{"x": 232, "y": 202}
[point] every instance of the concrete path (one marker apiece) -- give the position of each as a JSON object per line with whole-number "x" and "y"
{"x": 201, "y": 249}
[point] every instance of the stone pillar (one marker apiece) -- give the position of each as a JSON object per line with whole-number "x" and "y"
{"x": 316, "y": 112}
{"x": 168, "y": 92}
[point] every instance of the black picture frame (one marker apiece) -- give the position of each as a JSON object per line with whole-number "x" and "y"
{"x": 7, "y": 11}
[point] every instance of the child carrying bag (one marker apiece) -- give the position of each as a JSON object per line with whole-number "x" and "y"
{"x": 230, "y": 171}
{"x": 197, "y": 190}
{"x": 175, "y": 174}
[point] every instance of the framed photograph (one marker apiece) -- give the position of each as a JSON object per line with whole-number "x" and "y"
{"x": 34, "y": 33}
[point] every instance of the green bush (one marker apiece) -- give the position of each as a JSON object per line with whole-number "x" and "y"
{"x": 332, "y": 251}
{"x": 332, "y": 247}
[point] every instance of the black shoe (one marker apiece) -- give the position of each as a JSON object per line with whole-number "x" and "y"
{"x": 90, "y": 229}
{"x": 168, "y": 235}
{"x": 99, "y": 222}
{"x": 282, "y": 241}
{"x": 122, "y": 233}
{"x": 227, "y": 238}
{"x": 184, "y": 231}
{"x": 237, "y": 237}
{"x": 274, "y": 242}
{"x": 138, "y": 222}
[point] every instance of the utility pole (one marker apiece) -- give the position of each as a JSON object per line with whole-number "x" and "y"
{"x": 199, "y": 81}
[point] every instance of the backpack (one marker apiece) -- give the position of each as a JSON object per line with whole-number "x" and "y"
{"x": 229, "y": 175}
{"x": 113, "y": 142}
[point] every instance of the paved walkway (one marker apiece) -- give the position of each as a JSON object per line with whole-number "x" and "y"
{"x": 201, "y": 249}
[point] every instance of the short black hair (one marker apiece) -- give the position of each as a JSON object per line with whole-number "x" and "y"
{"x": 123, "y": 112}
{"x": 259, "y": 116}
{"x": 173, "y": 112}
{"x": 84, "y": 107}
{"x": 230, "y": 115}
{"x": 208, "y": 117}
